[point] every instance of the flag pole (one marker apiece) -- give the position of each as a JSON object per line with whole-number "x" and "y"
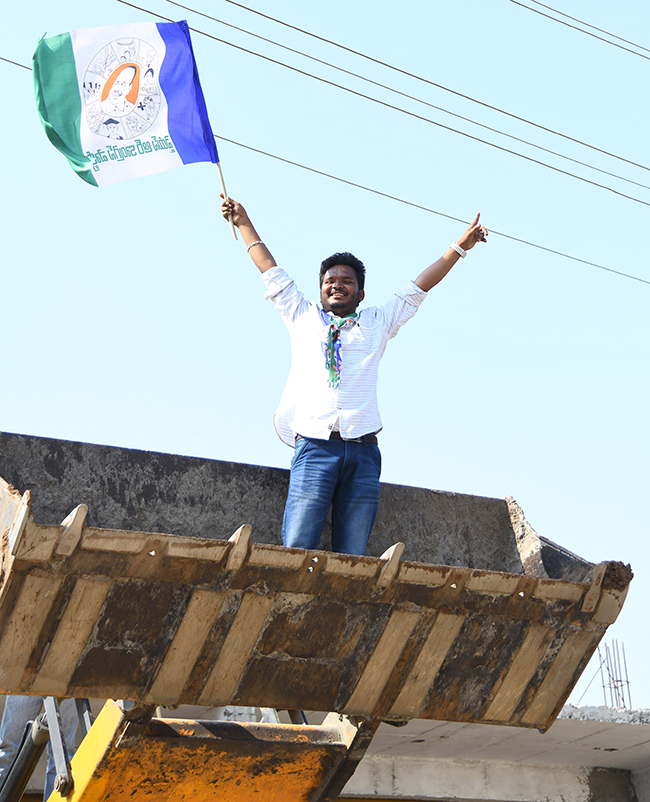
{"x": 225, "y": 195}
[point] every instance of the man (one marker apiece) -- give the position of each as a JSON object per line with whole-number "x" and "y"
{"x": 18, "y": 710}
{"x": 329, "y": 410}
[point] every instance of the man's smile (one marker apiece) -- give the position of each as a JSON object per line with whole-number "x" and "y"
{"x": 340, "y": 291}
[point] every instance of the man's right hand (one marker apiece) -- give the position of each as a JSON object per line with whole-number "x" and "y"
{"x": 231, "y": 207}
{"x": 257, "y": 250}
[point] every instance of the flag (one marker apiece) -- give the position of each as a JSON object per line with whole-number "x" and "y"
{"x": 123, "y": 101}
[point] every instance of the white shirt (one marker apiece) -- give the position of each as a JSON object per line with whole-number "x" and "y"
{"x": 309, "y": 406}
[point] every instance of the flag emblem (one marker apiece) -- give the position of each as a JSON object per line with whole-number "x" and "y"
{"x": 121, "y": 93}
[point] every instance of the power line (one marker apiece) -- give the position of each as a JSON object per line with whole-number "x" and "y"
{"x": 406, "y": 95}
{"x": 588, "y": 25}
{"x": 438, "y": 86}
{"x": 15, "y": 63}
{"x": 427, "y": 209}
{"x": 397, "y": 108}
{"x": 399, "y": 200}
{"x": 575, "y": 28}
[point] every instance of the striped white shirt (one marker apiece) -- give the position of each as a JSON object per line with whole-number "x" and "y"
{"x": 309, "y": 406}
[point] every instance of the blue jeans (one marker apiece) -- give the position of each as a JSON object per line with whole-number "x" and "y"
{"x": 18, "y": 711}
{"x": 340, "y": 473}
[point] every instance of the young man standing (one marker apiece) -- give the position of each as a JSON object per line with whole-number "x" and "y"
{"x": 329, "y": 411}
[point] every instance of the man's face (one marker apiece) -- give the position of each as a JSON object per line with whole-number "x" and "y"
{"x": 340, "y": 293}
{"x": 122, "y": 84}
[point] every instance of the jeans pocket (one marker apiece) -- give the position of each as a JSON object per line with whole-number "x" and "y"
{"x": 300, "y": 446}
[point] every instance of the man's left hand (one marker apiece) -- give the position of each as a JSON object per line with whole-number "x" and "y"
{"x": 475, "y": 233}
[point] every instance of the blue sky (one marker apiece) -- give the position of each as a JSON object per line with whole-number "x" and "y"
{"x": 130, "y": 316}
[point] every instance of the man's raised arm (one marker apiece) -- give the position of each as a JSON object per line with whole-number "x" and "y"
{"x": 257, "y": 250}
{"x": 439, "y": 269}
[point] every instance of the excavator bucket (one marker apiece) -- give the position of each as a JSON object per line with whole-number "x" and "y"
{"x": 129, "y": 755}
{"x": 164, "y": 619}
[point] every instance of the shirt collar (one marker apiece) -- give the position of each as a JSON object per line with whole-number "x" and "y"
{"x": 326, "y": 318}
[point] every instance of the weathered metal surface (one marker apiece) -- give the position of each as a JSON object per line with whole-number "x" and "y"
{"x": 154, "y": 492}
{"x": 124, "y": 760}
{"x": 166, "y": 619}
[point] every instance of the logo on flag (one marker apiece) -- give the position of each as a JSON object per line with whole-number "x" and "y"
{"x": 123, "y": 101}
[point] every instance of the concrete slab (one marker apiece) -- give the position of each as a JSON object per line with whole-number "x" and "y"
{"x": 572, "y": 741}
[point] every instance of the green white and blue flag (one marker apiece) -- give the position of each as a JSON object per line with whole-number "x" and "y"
{"x": 123, "y": 101}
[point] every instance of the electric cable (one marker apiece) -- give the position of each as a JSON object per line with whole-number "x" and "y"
{"x": 433, "y": 83}
{"x": 406, "y": 95}
{"x": 396, "y": 108}
{"x": 588, "y": 25}
{"x": 575, "y": 28}
{"x": 428, "y": 209}
{"x": 15, "y": 63}
{"x": 403, "y": 201}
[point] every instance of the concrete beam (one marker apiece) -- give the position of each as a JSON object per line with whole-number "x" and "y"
{"x": 482, "y": 781}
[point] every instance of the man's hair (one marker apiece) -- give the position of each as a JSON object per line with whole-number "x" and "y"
{"x": 343, "y": 259}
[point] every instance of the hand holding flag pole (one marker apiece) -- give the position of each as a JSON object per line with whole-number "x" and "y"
{"x": 225, "y": 195}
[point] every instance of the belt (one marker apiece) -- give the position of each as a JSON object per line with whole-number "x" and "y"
{"x": 368, "y": 439}
{"x": 365, "y": 438}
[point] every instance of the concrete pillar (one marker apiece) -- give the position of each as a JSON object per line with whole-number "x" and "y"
{"x": 641, "y": 780}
